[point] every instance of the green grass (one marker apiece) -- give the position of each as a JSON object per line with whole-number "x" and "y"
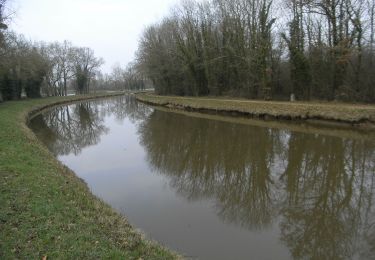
{"x": 354, "y": 114}
{"x": 46, "y": 210}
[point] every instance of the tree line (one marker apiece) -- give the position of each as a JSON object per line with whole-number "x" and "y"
{"x": 42, "y": 68}
{"x": 127, "y": 78}
{"x": 313, "y": 49}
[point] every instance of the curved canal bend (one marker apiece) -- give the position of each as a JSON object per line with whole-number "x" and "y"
{"x": 211, "y": 189}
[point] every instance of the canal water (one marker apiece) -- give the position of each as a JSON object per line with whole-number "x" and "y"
{"x": 212, "y": 187}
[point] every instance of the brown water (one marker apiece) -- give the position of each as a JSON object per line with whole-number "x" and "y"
{"x": 212, "y": 187}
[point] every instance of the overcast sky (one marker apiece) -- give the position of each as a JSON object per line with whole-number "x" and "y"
{"x": 110, "y": 27}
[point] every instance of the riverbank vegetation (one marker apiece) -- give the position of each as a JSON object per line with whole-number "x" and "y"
{"x": 128, "y": 78}
{"x": 36, "y": 69}
{"x": 360, "y": 115}
{"x": 46, "y": 210}
{"x": 263, "y": 49}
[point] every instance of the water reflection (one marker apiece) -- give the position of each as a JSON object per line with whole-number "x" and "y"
{"x": 123, "y": 107}
{"x": 329, "y": 185}
{"x": 68, "y": 129}
{"x": 212, "y": 159}
{"x": 317, "y": 190}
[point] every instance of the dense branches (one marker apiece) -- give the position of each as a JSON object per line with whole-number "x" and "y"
{"x": 248, "y": 48}
{"x": 128, "y": 78}
{"x": 69, "y": 65}
{"x": 33, "y": 69}
{"x": 85, "y": 64}
{"x": 23, "y": 68}
{"x": 48, "y": 69}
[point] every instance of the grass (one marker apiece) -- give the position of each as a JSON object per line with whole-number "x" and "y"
{"x": 354, "y": 114}
{"x": 46, "y": 210}
{"x": 301, "y": 127}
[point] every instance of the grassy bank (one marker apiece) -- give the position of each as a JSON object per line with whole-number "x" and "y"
{"x": 353, "y": 114}
{"x": 45, "y": 210}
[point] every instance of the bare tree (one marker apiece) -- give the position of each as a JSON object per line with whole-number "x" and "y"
{"x": 61, "y": 68}
{"x": 85, "y": 64}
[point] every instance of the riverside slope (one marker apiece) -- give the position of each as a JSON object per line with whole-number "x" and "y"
{"x": 46, "y": 210}
{"x": 353, "y": 114}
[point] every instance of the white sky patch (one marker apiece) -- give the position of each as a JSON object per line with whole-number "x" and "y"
{"x": 111, "y": 28}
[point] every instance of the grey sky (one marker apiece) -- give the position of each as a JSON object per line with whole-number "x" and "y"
{"x": 110, "y": 27}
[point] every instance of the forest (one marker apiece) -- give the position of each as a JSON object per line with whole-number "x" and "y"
{"x": 33, "y": 68}
{"x": 263, "y": 49}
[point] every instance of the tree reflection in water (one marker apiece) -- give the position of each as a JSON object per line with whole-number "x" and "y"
{"x": 69, "y": 129}
{"x": 124, "y": 107}
{"x": 319, "y": 189}
{"x": 329, "y": 184}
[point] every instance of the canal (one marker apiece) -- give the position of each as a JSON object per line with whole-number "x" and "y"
{"x": 213, "y": 187}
